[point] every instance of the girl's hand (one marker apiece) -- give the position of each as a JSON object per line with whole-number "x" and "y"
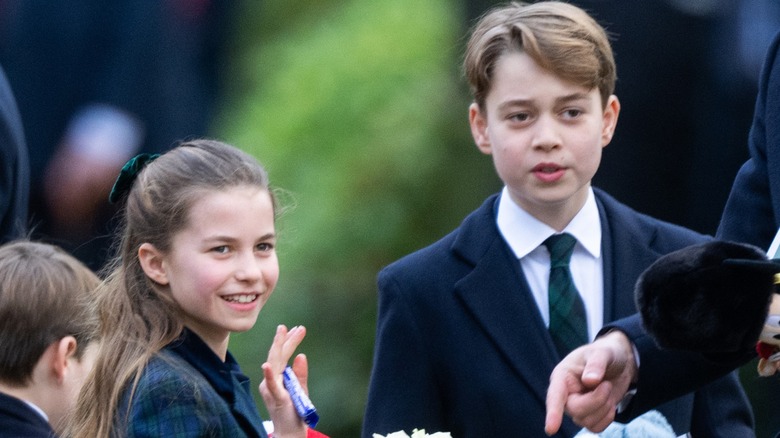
{"x": 277, "y": 400}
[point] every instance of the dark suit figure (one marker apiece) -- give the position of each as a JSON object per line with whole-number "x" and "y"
{"x": 461, "y": 346}
{"x": 752, "y": 212}
{"x": 752, "y": 215}
{"x": 19, "y": 420}
{"x": 14, "y": 167}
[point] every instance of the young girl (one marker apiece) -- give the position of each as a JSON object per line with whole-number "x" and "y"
{"x": 196, "y": 261}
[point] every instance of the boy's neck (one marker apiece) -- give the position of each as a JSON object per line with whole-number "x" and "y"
{"x": 31, "y": 394}
{"x": 556, "y": 216}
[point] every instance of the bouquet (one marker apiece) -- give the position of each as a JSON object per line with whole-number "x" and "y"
{"x": 416, "y": 433}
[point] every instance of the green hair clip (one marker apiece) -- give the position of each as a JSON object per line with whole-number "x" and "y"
{"x": 124, "y": 182}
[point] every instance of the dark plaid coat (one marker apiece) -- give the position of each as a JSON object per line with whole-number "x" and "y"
{"x": 187, "y": 391}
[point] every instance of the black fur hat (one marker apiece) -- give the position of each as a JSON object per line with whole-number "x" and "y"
{"x": 709, "y": 298}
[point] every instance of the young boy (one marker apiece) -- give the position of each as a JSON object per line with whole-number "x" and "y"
{"x": 47, "y": 337}
{"x": 465, "y": 338}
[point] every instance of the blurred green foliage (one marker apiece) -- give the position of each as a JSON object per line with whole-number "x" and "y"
{"x": 358, "y": 110}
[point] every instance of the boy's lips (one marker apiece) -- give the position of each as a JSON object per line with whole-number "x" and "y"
{"x": 549, "y": 172}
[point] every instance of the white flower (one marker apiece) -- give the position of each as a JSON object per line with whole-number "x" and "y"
{"x": 416, "y": 433}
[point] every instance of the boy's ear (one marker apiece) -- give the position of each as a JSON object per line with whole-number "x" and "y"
{"x": 152, "y": 263}
{"x": 610, "y": 116}
{"x": 478, "y": 123}
{"x": 64, "y": 350}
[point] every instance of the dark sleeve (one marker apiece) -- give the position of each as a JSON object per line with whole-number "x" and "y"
{"x": 722, "y": 410}
{"x": 749, "y": 215}
{"x": 402, "y": 392}
{"x": 14, "y": 167}
{"x": 665, "y": 375}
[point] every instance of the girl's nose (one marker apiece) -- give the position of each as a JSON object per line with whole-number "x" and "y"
{"x": 249, "y": 268}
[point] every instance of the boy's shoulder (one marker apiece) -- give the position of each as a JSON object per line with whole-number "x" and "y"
{"x": 476, "y": 232}
{"x": 621, "y": 217}
{"x": 17, "y": 419}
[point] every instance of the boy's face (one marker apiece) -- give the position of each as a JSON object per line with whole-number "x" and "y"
{"x": 545, "y": 135}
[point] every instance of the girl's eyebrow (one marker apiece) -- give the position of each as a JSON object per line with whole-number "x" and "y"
{"x": 268, "y": 236}
{"x": 225, "y": 238}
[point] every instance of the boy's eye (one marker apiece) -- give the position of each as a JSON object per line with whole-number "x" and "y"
{"x": 572, "y": 113}
{"x": 519, "y": 117}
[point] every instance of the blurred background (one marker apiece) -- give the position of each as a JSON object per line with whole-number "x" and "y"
{"x": 358, "y": 109}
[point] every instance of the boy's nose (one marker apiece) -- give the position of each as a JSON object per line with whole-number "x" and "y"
{"x": 545, "y": 134}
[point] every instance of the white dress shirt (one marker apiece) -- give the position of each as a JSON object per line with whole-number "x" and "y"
{"x": 525, "y": 236}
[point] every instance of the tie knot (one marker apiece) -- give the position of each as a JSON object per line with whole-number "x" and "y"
{"x": 560, "y": 247}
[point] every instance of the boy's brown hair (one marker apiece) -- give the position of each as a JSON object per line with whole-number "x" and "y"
{"x": 44, "y": 296}
{"x": 560, "y": 37}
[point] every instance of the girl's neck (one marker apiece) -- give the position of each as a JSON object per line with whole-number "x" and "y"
{"x": 217, "y": 342}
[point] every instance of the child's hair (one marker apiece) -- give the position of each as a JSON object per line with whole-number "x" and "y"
{"x": 560, "y": 37}
{"x": 45, "y": 295}
{"x": 138, "y": 316}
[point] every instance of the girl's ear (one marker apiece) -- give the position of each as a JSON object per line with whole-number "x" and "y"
{"x": 152, "y": 263}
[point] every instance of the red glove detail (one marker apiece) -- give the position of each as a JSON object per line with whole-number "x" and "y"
{"x": 765, "y": 350}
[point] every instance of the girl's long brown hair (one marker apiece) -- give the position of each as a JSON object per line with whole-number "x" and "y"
{"x": 137, "y": 316}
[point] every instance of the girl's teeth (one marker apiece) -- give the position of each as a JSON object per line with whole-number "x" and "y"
{"x": 241, "y": 298}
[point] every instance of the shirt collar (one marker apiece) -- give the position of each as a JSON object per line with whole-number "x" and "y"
{"x": 524, "y": 233}
{"x": 35, "y": 408}
{"x": 219, "y": 374}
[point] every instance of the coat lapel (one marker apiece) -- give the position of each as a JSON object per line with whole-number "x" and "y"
{"x": 627, "y": 249}
{"x": 496, "y": 294}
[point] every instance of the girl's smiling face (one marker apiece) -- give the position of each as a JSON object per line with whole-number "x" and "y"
{"x": 545, "y": 135}
{"x": 222, "y": 267}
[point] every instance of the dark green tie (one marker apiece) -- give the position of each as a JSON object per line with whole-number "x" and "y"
{"x": 568, "y": 323}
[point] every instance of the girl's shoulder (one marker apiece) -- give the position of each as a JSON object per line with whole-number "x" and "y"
{"x": 166, "y": 367}
{"x": 171, "y": 397}
{"x": 168, "y": 379}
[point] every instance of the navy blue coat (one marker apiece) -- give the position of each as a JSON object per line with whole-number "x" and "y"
{"x": 752, "y": 212}
{"x": 752, "y": 215}
{"x": 18, "y": 420}
{"x": 461, "y": 346}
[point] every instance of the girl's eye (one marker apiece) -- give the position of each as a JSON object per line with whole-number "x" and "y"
{"x": 222, "y": 249}
{"x": 265, "y": 246}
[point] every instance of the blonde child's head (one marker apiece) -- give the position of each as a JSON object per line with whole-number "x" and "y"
{"x": 560, "y": 37}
